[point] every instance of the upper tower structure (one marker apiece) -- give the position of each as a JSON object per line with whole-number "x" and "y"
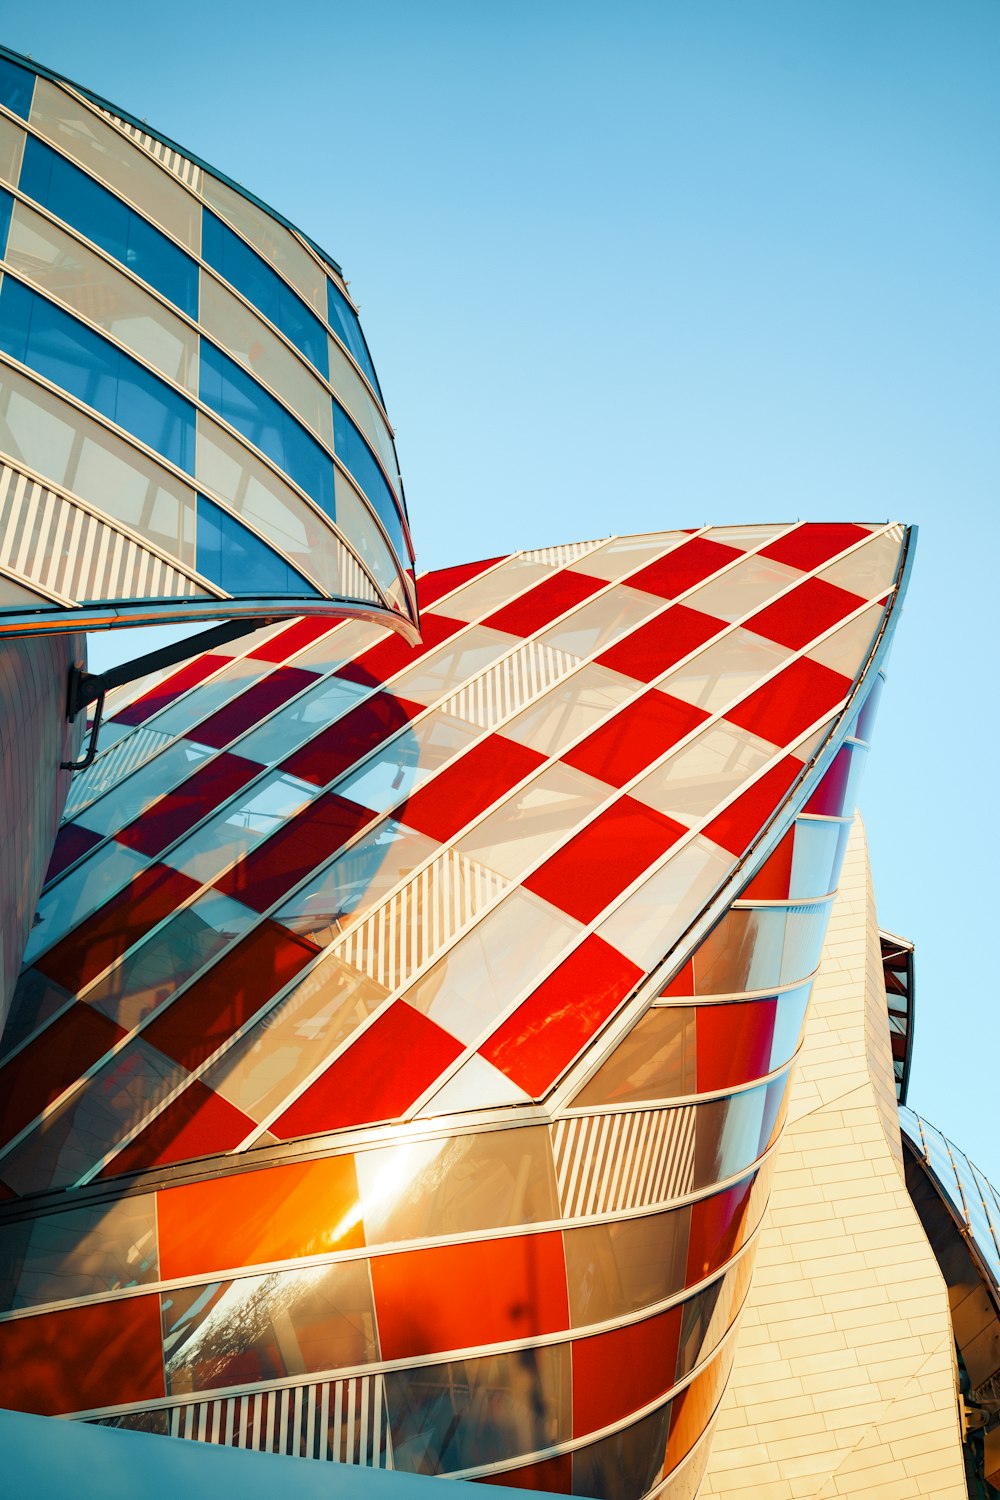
{"x": 190, "y": 420}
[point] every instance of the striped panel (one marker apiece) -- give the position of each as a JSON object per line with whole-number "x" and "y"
{"x": 335, "y": 1421}
{"x": 49, "y": 539}
{"x": 186, "y": 170}
{"x": 559, "y": 556}
{"x": 128, "y": 755}
{"x": 510, "y": 685}
{"x": 422, "y": 919}
{"x": 354, "y": 582}
{"x": 612, "y": 1162}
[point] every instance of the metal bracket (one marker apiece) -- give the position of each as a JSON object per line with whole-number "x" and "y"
{"x": 84, "y": 688}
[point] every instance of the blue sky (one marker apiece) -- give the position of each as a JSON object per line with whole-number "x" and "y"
{"x": 657, "y": 265}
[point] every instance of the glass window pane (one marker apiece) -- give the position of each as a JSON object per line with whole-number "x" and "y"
{"x": 57, "y": 440}
{"x": 847, "y": 648}
{"x": 11, "y": 149}
{"x": 618, "y": 1268}
{"x": 356, "y": 456}
{"x": 727, "y": 1135}
{"x": 489, "y": 968}
{"x": 817, "y": 854}
{"x": 759, "y": 948}
{"x": 657, "y": 1060}
{"x": 691, "y": 783}
{"x": 457, "y": 1185}
{"x": 402, "y": 764}
{"x": 240, "y": 826}
{"x": 315, "y": 709}
{"x": 624, "y": 555}
{"x": 788, "y": 1022}
{"x": 79, "y": 132}
{"x": 451, "y": 665}
{"x": 344, "y": 322}
{"x": 135, "y": 793}
{"x": 191, "y": 708}
{"x": 726, "y": 671}
{"x": 100, "y": 1248}
{"x": 745, "y": 587}
{"x": 272, "y": 239}
{"x": 454, "y": 1416}
{"x": 355, "y": 881}
{"x": 651, "y": 920}
{"x": 354, "y": 518}
{"x": 16, "y": 87}
{"x": 625, "y": 1464}
{"x": 871, "y": 570}
{"x": 259, "y": 1328}
{"x": 594, "y": 626}
{"x": 82, "y": 891}
{"x": 230, "y": 555}
{"x": 571, "y": 710}
{"x": 534, "y": 821}
{"x": 358, "y": 400}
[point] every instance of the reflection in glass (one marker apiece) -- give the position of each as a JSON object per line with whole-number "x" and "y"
{"x": 625, "y": 1464}
{"x": 100, "y": 1248}
{"x": 618, "y": 1268}
{"x": 657, "y": 1060}
{"x": 457, "y": 1185}
{"x": 460, "y": 1415}
{"x": 260, "y": 1327}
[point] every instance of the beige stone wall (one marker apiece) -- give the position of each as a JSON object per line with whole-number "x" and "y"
{"x": 844, "y": 1381}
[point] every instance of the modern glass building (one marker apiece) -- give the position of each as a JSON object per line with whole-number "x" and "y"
{"x": 400, "y": 1063}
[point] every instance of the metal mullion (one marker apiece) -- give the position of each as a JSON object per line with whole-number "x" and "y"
{"x": 735, "y": 997}
{"x": 684, "y": 1101}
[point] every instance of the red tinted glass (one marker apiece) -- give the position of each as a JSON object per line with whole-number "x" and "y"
{"x": 356, "y": 734}
{"x": 58, "y": 1055}
{"x": 638, "y": 735}
{"x": 685, "y": 566}
{"x": 178, "y": 812}
{"x": 662, "y": 641}
{"x": 298, "y": 847}
{"x": 552, "y": 597}
{"x": 249, "y": 707}
{"x": 784, "y": 707}
{"x": 813, "y": 543}
{"x": 617, "y": 1373}
{"x": 82, "y": 1357}
{"x": 803, "y": 614}
{"x": 187, "y": 676}
{"x": 737, "y": 825}
{"x": 469, "y": 785}
{"x": 734, "y": 1043}
{"x": 602, "y": 859}
{"x": 197, "y": 1123}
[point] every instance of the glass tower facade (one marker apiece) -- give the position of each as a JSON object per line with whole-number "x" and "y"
{"x": 403, "y": 1045}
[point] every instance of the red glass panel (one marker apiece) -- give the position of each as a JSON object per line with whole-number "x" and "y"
{"x": 734, "y": 1043}
{"x": 228, "y": 994}
{"x": 602, "y": 859}
{"x": 72, "y": 841}
{"x": 58, "y": 1055}
{"x": 784, "y": 707}
{"x": 298, "y": 847}
{"x": 433, "y": 586}
{"x": 682, "y": 982}
{"x": 692, "y": 1410}
{"x": 716, "y": 1229}
{"x": 462, "y": 1296}
{"x": 197, "y": 1123}
{"x": 295, "y": 637}
{"x": 737, "y": 825}
{"x": 551, "y": 597}
{"x": 250, "y": 706}
{"x": 104, "y": 937}
{"x": 805, "y": 613}
{"x": 617, "y": 1373}
{"x": 379, "y": 1076}
{"x": 773, "y": 879}
{"x": 308, "y": 1208}
{"x": 831, "y": 794}
{"x": 390, "y": 656}
{"x": 469, "y": 785}
{"x": 187, "y": 676}
{"x": 813, "y": 543}
{"x": 639, "y": 734}
{"x": 345, "y": 741}
{"x": 662, "y": 641}
{"x": 552, "y": 1476}
{"x": 685, "y": 566}
{"x": 177, "y": 812}
{"x": 82, "y": 1357}
{"x": 546, "y": 1032}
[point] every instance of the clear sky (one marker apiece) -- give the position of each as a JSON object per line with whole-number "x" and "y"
{"x": 651, "y": 265}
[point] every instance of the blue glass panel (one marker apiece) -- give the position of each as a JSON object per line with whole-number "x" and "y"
{"x": 73, "y": 356}
{"x": 6, "y": 205}
{"x": 788, "y": 1019}
{"x": 344, "y": 322}
{"x": 16, "y": 87}
{"x": 817, "y": 854}
{"x": 238, "y": 561}
{"x": 244, "y": 269}
{"x": 239, "y": 400}
{"x": 355, "y": 454}
{"x": 98, "y": 214}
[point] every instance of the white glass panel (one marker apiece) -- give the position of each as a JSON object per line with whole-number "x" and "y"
{"x": 11, "y": 150}
{"x": 535, "y": 820}
{"x": 692, "y": 782}
{"x": 298, "y": 721}
{"x": 476, "y": 1085}
{"x": 355, "y": 520}
{"x": 137, "y": 792}
{"x": 493, "y": 966}
{"x": 747, "y": 538}
{"x": 447, "y": 668}
{"x": 276, "y": 243}
{"x": 348, "y": 640}
{"x": 726, "y": 671}
{"x": 624, "y": 555}
{"x": 81, "y": 892}
{"x": 249, "y": 340}
{"x": 594, "y": 626}
{"x": 651, "y": 920}
{"x": 79, "y": 133}
{"x": 241, "y": 825}
{"x": 846, "y": 650}
{"x": 68, "y": 447}
{"x": 399, "y": 767}
{"x": 747, "y": 586}
{"x": 481, "y": 596}
{"x": 571, "y": 710}
{"x": 871, "y": 571}
{"x": 355, "y": 881}
{"x": 357, "y": 398}
{"x": 227, "y": 469}
{"x": 81, "y": 280}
